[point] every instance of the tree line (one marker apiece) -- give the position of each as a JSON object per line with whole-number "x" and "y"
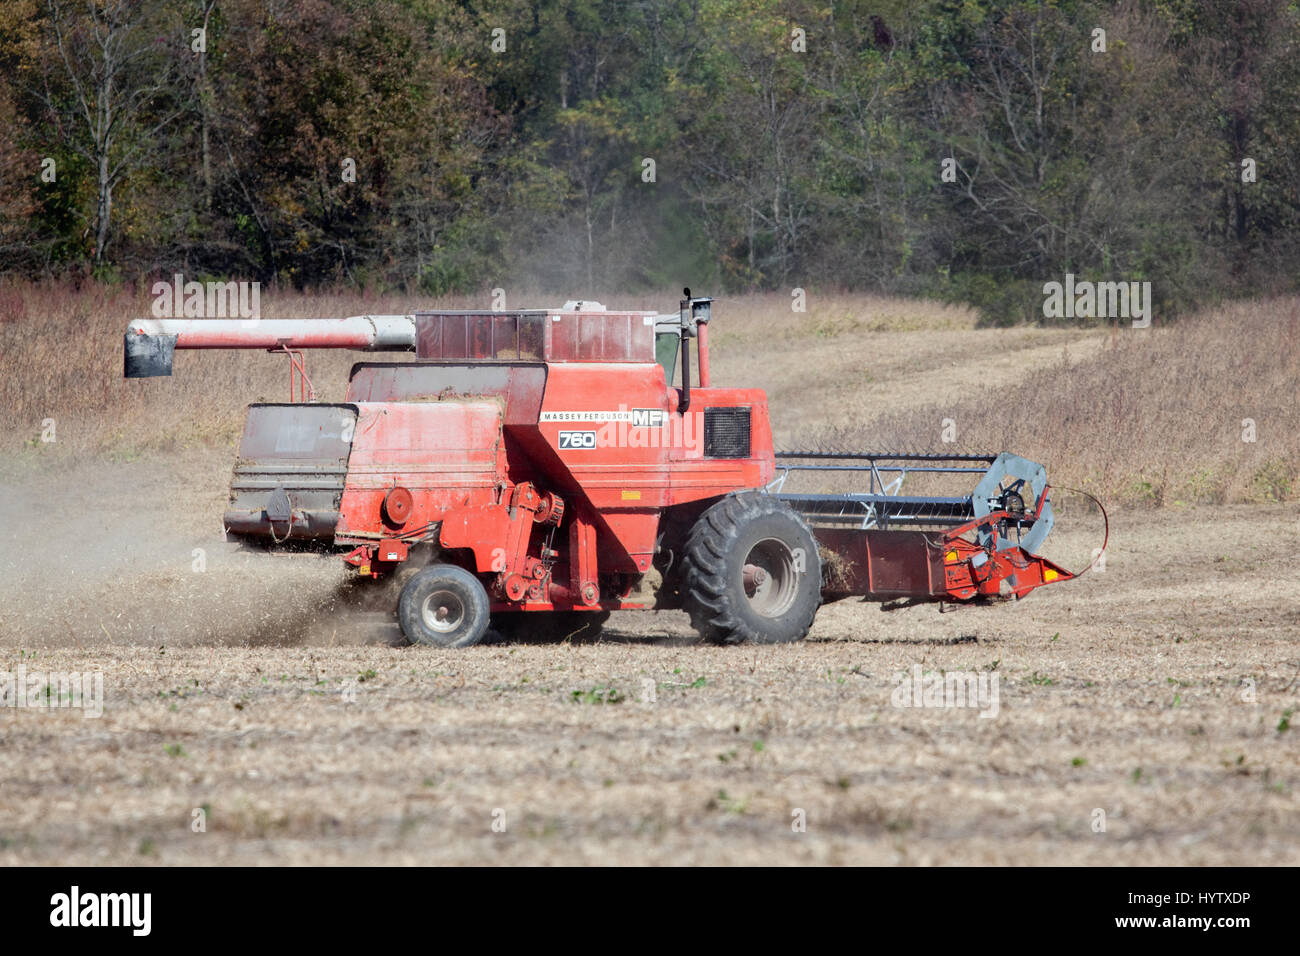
{"x": 967, "y": 149}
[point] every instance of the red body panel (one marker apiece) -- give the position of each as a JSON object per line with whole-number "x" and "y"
{"x": 444, "y": 453}
{"x": 631, "y": 472}
{"x": 459, "y": 438}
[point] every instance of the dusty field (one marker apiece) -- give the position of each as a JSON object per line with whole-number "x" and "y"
{"x": 1154, "y": 691}
{"x": 1121, "y": 693}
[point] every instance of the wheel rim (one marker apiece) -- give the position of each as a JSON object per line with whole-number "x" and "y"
{"x": 442, "y": 611}
{"x": 770, "y": 577}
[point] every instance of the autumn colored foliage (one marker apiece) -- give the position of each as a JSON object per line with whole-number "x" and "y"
{"x": 964, "y": 149}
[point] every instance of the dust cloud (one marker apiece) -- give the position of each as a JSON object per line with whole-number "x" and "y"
{"x": 134, "y": 553}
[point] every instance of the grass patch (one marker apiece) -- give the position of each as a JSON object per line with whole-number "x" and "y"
{"x": 603, "y": 694}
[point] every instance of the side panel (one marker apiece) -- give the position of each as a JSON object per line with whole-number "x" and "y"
{"x": 600, "y": 337}
{"x": 444, "y": 453}
{"x": 288, "y": 479}
{"x": 505, "y": 336}
{"x": 618, "y": 444}
{"x": 550, "y": 336}
{"x": 519, "y": 386}
{"x": 882, "y": 564}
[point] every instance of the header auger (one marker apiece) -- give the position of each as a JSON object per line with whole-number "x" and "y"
{"x": 541, "y": 465}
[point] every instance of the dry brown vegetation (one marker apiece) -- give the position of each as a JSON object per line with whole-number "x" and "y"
{"x": 1201, "y": 411}
{"x": 1143, "y": 416}
{"x": 62, "y": 350}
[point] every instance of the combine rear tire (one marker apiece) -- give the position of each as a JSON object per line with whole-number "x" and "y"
{"x": 443, "y": 606}
{"x": 751, "y": 573}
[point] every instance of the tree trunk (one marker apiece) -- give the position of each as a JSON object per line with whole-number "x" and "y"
{"x": 590, "y": 250}
{"x": 205, "y": 100}
{"x": 103, "y": 209}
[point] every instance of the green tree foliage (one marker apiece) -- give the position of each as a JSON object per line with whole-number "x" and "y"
{"x": 971, "y": 149}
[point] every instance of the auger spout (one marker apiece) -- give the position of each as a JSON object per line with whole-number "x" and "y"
{"x": 149, "y": 343}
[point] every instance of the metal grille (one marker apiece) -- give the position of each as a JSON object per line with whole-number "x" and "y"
{"x": 726, "y": 432}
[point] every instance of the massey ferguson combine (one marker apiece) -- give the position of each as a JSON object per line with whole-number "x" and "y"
{"x": 542, "y": 467}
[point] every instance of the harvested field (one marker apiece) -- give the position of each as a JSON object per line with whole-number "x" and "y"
{"x": 1118, "y": 693}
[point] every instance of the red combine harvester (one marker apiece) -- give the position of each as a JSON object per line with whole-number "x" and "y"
{"x": 539, "y": 468}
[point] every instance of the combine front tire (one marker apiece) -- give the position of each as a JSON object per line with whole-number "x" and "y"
{"x": 750, "y": 572}
{"x": 444, "y": 606}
